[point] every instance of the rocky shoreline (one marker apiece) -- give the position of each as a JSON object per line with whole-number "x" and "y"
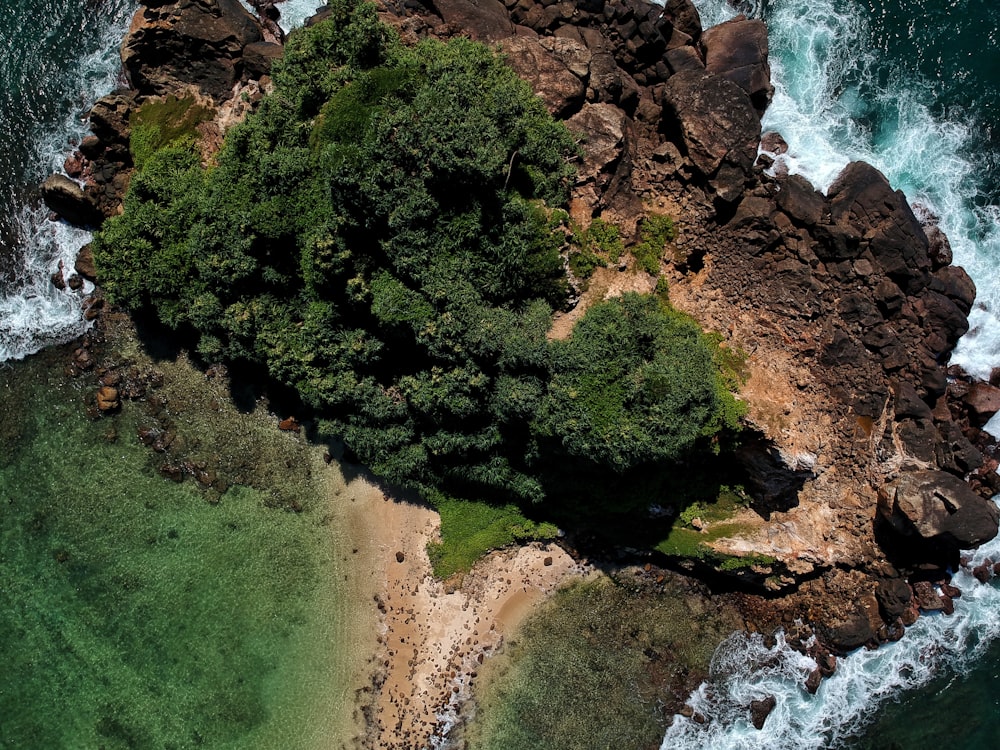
{"x": 869, "y": 468}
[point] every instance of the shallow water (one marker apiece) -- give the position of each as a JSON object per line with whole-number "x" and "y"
{"x": 134, "y": 613}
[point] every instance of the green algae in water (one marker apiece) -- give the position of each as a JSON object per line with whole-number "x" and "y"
{"x": 133, "y": 614}
{"x": 597, "y": 667}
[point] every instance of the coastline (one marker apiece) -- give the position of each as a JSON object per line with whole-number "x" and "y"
{"x": 433, "y": 636}
{"x": 425, "y": 650}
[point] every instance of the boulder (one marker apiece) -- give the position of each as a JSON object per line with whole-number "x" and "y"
{"x": 84, "y": 264}
{"x": 258, "y": 58}
{"x": 954, "y": 283}
{"x": 683, "y": 16}
{"x": 935, "y": 505}
{"x": 714, "y": 120}
{"x": 983, "y": 401}
{"x": 737, "y": 50}
{"x": 893, "y": 595}
{"x": 483, "y": 20}
{"x": 560, "y": 89}
{"x": 773, "y": 143}
{"x": 867, "y": 214}
{"x": 926, "y": 597}
{"x": 813, "y": 681}
{"x": 109, "y": 122}
{"x": 800, "y": 200}
{"x": 189, "y": 43}
{"x": 761, "y": 709}
{"x": 602, "y": 127}
{"x": 68, "y": 200}
{"x": 107, "y": 398}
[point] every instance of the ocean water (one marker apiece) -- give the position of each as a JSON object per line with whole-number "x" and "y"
{"x": 913, "y": 88}
{"x": 58, "y": 57}
{"x": 134, "y": 613}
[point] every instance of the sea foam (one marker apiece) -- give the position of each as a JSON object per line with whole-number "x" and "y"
{"x": 33, "y": 313}
{"x": 828, "y": 80}
{"x": 744, "y": 669}
{"x": 822, "y": 70}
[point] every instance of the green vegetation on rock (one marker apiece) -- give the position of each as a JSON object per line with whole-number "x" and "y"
{"x": 381, "y": 236}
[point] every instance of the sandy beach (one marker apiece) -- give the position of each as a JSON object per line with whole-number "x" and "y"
{"x": 433, "y": 637}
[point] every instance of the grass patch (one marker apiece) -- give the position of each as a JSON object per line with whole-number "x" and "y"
{"x": 161, "y": 122}
{"x": 597, "y": 246}
{"x": 654, "y": 234}
{"x": 470, "y": 529}
{"x": 686, "y": 541}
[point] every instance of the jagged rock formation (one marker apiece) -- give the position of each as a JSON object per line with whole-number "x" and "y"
{"x": 193, "y": 42}
{"x": 845, "y": 303}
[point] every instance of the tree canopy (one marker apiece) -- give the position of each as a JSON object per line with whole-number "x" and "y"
{"x": 378, "y": 235}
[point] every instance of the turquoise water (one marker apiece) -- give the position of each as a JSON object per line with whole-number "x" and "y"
{"x": 134, "y": 612}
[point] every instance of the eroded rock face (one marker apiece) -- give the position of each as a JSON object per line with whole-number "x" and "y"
{"x": 67, "y": 199}
{"x": 715, "y": 118}
{"x": 937, "y": 506}
{"x": 737, "y": 50}
{"x": 560, "y": 88}
{"x": 189, "y": 43}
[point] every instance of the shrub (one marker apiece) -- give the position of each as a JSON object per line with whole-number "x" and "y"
{"x": 654, "y": 233}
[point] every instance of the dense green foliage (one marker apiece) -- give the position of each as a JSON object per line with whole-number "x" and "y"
{"x": 379, "y": 235}
{"x": 600, "y": 244}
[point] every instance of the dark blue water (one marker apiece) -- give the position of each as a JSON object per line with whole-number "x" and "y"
{"x": 57, "y": 57}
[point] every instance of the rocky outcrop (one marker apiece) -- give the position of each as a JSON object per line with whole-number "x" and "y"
{"x": 67, "y": 199}
{"x": 737, "y": 50}
{"x": 201, "y": 43}
{"x": 938, "y": 507}
{"x": 845, "y": 303}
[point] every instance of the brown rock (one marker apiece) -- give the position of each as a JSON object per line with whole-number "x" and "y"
{"x": 926, "y": 597}
{"x": 73, "y": 166}
{"x": 258, "y": 57}
{"x": 289, "y": 424}
{"x": 684, "y": 17}
{"x": 813, "y": 681}
{"x": 940, "y": 506}
{"x": 172, "y": 45}
{"x": 107, "y": 398}
{"x": 400, "y": 557}
{"x": 84, "y": 264}
{"x": 483, "y": 20}
{"x": 715, "y": 118}
{"x": 603, "y": 129}
{"x": 68, "y": 200}
{"x": 983, "y": 401}
{"x": 559, "y": 88}
{"x": 773, "y": 143}
{"x": 737, "y": 50}
{"x": 761, "y": 709}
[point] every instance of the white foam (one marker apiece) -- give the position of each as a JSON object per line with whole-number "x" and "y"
{"x": 744, "y": 669}
{"x": 819, "y": 57}
{"x": 295, "y": 12}
{"x": 33, "y": 313}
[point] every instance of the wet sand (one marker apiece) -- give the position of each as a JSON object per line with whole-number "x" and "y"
{"x": 433, "y": 637}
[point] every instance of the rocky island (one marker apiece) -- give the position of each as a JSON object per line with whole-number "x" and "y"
{"x": 863, "y": 467}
